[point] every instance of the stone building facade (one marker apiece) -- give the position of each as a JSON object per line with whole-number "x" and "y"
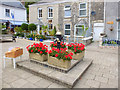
{"x": 111, "y": 14}
{"x": 68, "y": 17}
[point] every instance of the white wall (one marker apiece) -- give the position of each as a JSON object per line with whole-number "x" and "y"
{"x": 19, "y": 14}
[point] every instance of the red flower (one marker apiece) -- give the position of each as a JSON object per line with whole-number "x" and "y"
{"x": 71, "y": 53}
{"x": 31, "y": 50}
{"x": 50, "y": 52}
{"x": 70, "y": 57}
{"x": 38, "y": 50}
{"x": 56, "y": 55}
{"x": 41, "y": 52}
{"x": 66, "y": 56}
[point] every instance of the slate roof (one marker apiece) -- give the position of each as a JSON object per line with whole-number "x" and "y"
{"x": 16, "y": 4}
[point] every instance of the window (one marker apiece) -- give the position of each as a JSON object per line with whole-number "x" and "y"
{"x": 79, "y": 30}
{"x": 7, "y": 12}
{"x": 40, "y": 27}
{"x": 67, "y": 29}
{"x": 50, "y": 12}
{"x": 67, "y": 11}
{"x": 39, "y": 12}
{"x": 83, "y": 9}
{"x": 50, "y": 26}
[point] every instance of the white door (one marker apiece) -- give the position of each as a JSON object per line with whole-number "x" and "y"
{"x": 98, "y": 28}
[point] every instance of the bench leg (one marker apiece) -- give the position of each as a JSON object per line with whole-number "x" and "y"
{"x": 14, "y": 63}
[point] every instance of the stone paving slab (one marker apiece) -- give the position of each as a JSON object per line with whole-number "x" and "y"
{"x": 46, "y": 64}
{"x": 67, "y": 79}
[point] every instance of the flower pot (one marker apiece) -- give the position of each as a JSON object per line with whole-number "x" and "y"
{"x": 38, "y": 57}
{"x": 41, "y": 40}
{"x": 59, "y": 63}
{"x": 30, "y": 39}
{"x": 77, "y": 56}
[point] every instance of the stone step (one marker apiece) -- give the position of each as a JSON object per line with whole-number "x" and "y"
{"x": 68, "y": 79}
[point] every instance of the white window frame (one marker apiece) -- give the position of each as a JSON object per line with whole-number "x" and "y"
{"x": 83, "y": 9}
{"x": 50, "y": 12}
{"x": 48, "y": 27}
{"x": 38, "y": 12}
{"x": 67, "y": 9}
{"x": 67, "y": 29}
{"x": 5, "y": 12}
{"x": 75, "y": 30}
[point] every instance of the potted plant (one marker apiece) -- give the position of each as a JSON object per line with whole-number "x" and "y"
{"x": 60, "y": 58}
{"x": 38, "y": 51}
{"x": 78, "y": 50}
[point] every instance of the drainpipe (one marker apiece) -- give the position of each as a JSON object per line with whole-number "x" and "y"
{"x": 104, "y": 15}
{"x": 89, "y": 13}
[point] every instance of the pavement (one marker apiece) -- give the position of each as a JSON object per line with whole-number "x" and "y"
{"x": 103, "y": 73}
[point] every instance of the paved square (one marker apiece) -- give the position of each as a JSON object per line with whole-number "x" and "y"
{"x": 103, "y": 73}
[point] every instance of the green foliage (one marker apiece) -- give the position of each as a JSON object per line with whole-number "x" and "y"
{"x": 84, "y": 31}
{"x": 18, "y": 29}
{"x": 31, "y": 36}
{"x": 41, "y": 37}
{"x": 3, "y": 26}
{"x": 24, "y": 26}
{"x": 53, "y": 32}
{"x": 45, "y": 29}
{"x": 32, "y": 27}
{"x": 4, "y": 32}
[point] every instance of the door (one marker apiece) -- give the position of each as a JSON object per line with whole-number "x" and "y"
{"x": 98, "y": 28}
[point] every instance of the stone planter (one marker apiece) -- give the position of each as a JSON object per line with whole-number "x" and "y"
{"x": 38, "y": 57}
{"x": 77, "y": 56}
{"x": 59, "y": 63}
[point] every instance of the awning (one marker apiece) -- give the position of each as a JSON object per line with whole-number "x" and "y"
{"x": 17, "y": 22}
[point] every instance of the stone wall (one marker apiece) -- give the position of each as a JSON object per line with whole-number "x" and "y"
{"x": 111, "y": 15}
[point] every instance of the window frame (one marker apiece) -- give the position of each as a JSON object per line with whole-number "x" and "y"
{"x": 48, "y": 27}
{"x": 50, "y": 12}
{"x": 75, "y": 30}
{"x": 6, "y": 14}
{"x": 65, "y": 9}
{"x": 39, "y": 13}
{"x": 83, "y": 9}
{"x": 67, "y": 29}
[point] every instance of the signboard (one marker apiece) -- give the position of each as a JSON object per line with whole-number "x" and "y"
{"x": 110, "y": 22}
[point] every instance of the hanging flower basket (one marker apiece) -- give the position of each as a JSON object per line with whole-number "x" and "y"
{"x": 38, "y": 51}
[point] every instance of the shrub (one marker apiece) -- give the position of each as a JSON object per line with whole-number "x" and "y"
{"x": 24, "y": 26}
{"x": 18, "y": 29}
{"x": 40, "y": 37}
{"x": 4, "y": 32}
{"x": 31, "y": 36}
{"x": 32, "y": 27}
